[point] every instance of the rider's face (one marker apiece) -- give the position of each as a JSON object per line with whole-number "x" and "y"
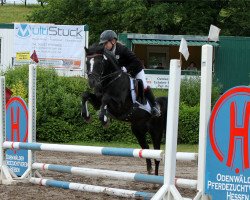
{"x": 109, "y": 45}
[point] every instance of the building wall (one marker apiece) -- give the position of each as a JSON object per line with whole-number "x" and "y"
{"x": 232, "y": 62}
{"x": 7, "y": 45}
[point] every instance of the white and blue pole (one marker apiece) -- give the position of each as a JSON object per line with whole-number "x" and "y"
{"x": 92, "y": 188}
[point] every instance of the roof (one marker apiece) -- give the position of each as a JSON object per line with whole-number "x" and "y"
{"x": 171, "y": 42}
{"x": 168, "y": 40}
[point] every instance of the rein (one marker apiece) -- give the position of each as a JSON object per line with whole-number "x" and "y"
{"x": 95, "y": 55}
{"x": 103, "y": 78}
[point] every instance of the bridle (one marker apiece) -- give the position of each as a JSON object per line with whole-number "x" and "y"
{"x": 100, "y": 78}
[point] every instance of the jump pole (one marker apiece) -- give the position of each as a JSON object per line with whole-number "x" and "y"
{"x": 118, "y": 175}
{"x": 6, "y": 176}
{"x": 107, "y": 151}
{"x": 205, "y": 111}
{"x": 92, "y": 188}
{"x": 168, "y": 191}
{"x": 31, "y": 118}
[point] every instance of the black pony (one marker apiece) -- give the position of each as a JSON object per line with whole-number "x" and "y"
{"x": 112, "y": 95}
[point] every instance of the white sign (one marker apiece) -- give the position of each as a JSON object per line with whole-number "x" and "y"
{"x": 157, "y": 80}
{"x": 59, "y": 46}
{"x": 161, "y": 81}
{"x": 184, "y": 48}
{"x": 213, "y": 33}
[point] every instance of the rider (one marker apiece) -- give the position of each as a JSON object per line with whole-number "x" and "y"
{"x": 128, "y": 60}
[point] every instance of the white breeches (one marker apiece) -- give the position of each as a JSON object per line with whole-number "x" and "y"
{"x": 141, "y": 75}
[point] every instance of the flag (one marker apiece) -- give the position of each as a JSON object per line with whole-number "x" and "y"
{"x": 34, "y": 57}
{"x": 213, "y": 33}
{"x": 184, "y": 48}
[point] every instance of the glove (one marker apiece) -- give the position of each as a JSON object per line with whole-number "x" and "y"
{"x": 124, "y": 69}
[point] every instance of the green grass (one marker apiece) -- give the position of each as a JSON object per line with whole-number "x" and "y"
{"x": 15, "y": 13}
{"x": 180, "y": 147}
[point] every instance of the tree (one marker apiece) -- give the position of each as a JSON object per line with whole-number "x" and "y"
{"x": 235, "y": 18}
{"x": 147, "y": 16}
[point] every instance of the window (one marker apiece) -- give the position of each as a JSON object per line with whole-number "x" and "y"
{"x": 158, "y": 57}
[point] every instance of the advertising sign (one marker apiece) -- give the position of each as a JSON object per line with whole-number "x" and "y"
{"x": 159, "y": 81}
{"x": 22, "y": 56}
{"x": 228, "y": 147}
{"x": 58, "y": 46}
{"x": 17, "y": 131}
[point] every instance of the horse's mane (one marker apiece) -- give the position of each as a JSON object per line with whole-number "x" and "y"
{"x": 95, "y": 49}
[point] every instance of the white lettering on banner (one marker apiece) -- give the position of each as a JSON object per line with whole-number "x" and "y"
{"x": 17, "y": 163}
{"x": 235, "y": 186}
{"x": 14, "y": 157}
{"x": 232, "y": 196}
{"x": 15, "y": 169}
{"x": 236, "y": 179}
{"x": 228, "y": 187}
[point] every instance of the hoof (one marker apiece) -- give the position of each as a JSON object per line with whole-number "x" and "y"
{"x": 105, "y": 124}
{"x": 88, "y": 119}
{"x": 150, "y": 171}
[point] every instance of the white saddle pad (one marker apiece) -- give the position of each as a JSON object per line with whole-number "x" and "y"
{"x": 146, "y": 107}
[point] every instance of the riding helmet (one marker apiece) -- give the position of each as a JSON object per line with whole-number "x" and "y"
{"x": 107, "y": 35}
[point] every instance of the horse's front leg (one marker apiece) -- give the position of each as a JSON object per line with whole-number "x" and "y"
{"x": 94, "y": 100}
{"x": 85, "y": 112}
{"x": 103, "y": 117}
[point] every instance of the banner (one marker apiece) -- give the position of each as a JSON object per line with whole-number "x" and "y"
{"x": 58, "y": 46}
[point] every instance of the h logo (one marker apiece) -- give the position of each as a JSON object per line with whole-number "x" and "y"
{"x": 229, "y": 128}
{"x": 15, "y": 128}
{"x": 239, "y": 133}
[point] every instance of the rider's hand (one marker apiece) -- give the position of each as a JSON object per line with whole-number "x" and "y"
{"x": 124, "y": 69}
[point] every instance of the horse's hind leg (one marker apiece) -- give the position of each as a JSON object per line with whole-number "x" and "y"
{"x": 140, "y": 134}
{"x": 156, "y": 132}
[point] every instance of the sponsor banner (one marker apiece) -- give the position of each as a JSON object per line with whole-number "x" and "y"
{"x": 17, "y": 131}
{"x": 228, "y": 146}
{"x": 58, "y": 46}
{"x": 161, "y": 81}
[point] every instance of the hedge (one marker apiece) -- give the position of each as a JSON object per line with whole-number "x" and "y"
{"x": 59, "y": 107}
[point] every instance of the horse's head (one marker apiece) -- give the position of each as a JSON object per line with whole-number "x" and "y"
{"x": 100, "y": 64}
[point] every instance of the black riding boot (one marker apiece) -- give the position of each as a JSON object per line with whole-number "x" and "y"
{"x": 156, "y": 112}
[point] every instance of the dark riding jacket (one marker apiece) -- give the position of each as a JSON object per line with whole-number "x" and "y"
{"x": 128, "y": 59}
